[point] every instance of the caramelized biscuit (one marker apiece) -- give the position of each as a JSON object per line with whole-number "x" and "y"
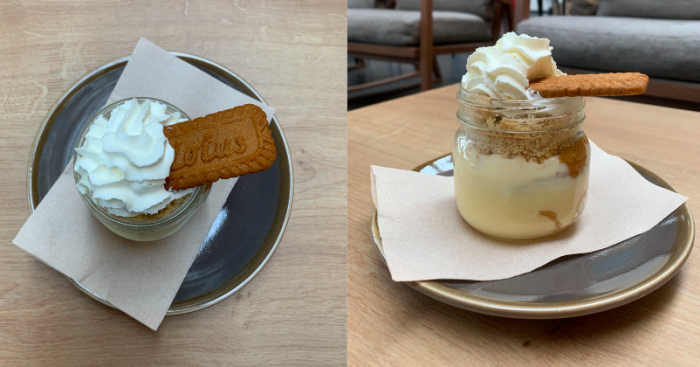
{"x": 588, "y": 85}
{"x": 225, "y": 144}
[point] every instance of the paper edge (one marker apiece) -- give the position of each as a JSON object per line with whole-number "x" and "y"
{"x": 270, "y": 112}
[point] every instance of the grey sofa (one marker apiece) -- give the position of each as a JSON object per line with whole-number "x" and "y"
{"x": 454, "y": 21}
{"x": 658, "y": 38}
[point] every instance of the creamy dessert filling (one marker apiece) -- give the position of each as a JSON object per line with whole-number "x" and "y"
{"x": 519, "y": 198}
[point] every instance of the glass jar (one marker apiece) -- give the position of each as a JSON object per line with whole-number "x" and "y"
{"x": 144, "y": 227}
{"x": 521, "y": 168}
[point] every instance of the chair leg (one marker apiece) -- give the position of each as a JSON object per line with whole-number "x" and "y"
{"x": 497, "y": 17}
{"x": 426, "y": 74}
{"x": 436, "y": 70}
{"x": 508, "y": 12}
{"x": 426, "y": 45}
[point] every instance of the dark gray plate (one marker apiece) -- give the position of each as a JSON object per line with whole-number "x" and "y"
{"x": 578, "y": 284}
{"x": 251, "y": 222}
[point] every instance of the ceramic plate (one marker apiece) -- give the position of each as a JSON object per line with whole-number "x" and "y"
{"x": 573, "y": 285}
{"x": 258, "y": 207}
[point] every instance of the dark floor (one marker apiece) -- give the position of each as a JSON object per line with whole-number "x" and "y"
{"x": 452, "y": 68}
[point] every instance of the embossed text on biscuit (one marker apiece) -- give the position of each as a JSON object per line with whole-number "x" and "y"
{"x": 225, "y": 144}
{"x": 209, "y": 148}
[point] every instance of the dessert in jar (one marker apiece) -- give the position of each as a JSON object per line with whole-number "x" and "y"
{"x": 120, "y": 165}
{"x": 521, "y": 161}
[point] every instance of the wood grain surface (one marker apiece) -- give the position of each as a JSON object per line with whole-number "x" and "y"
{"x": 294, "y": 54}
{"x": 390, "y": 324}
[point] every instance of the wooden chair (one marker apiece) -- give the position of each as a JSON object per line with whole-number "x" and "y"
{"x": 424, "y": 54}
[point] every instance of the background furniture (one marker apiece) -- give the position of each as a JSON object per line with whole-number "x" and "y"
{"x": 418, "y": 30}
{"x": 293, "y": 312}
{"x": 390, "y": 324}
{"x": 555, "y": 7}
{"x": 658, "y": 38}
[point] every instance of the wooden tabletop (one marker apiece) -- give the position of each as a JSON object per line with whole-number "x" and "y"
{"x": 294, "y": 54}
{"x": 392, "y": 324}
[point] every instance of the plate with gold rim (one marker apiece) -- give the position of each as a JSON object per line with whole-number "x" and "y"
{"x": 249, "y": 226}
{"x": 573, "y": 285}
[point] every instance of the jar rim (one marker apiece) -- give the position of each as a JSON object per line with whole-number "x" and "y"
{"x": 464, "y": 96}
{"x": 569, "y": 105}
{"x": 114, "y": 219}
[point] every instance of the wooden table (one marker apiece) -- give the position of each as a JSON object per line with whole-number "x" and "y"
{"x": 391, "y": 324}
{"x": 293, "y": 53}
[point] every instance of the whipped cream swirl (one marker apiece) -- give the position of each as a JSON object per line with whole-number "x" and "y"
{"x": 124, "y": 161}
{"x": 504, "y": 71}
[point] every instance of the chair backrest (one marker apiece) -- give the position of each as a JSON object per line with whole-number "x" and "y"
{"x": 482, "y": 8}
{"x": 360, "y": 4}
{"x": 666, "y": 9}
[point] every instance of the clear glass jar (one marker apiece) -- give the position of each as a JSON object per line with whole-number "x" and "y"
{"x": 521, "y": 167}
{"x": 145, "y": 227}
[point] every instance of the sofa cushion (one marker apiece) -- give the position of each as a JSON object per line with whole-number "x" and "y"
{"x": 666, "y": 9}
{"x": 402, "y": 27}
{"x": 482, "y": 8}
{"x": 659, "y": 48}
{"x": 360, "y": 4}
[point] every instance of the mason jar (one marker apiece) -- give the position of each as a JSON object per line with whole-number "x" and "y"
{"x": 521, "y": 168}
{"x": 144, "y": 227}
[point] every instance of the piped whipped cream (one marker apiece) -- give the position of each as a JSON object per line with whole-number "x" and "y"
{"x": 124, "y": 161}
{"x": 504, "y": 71}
